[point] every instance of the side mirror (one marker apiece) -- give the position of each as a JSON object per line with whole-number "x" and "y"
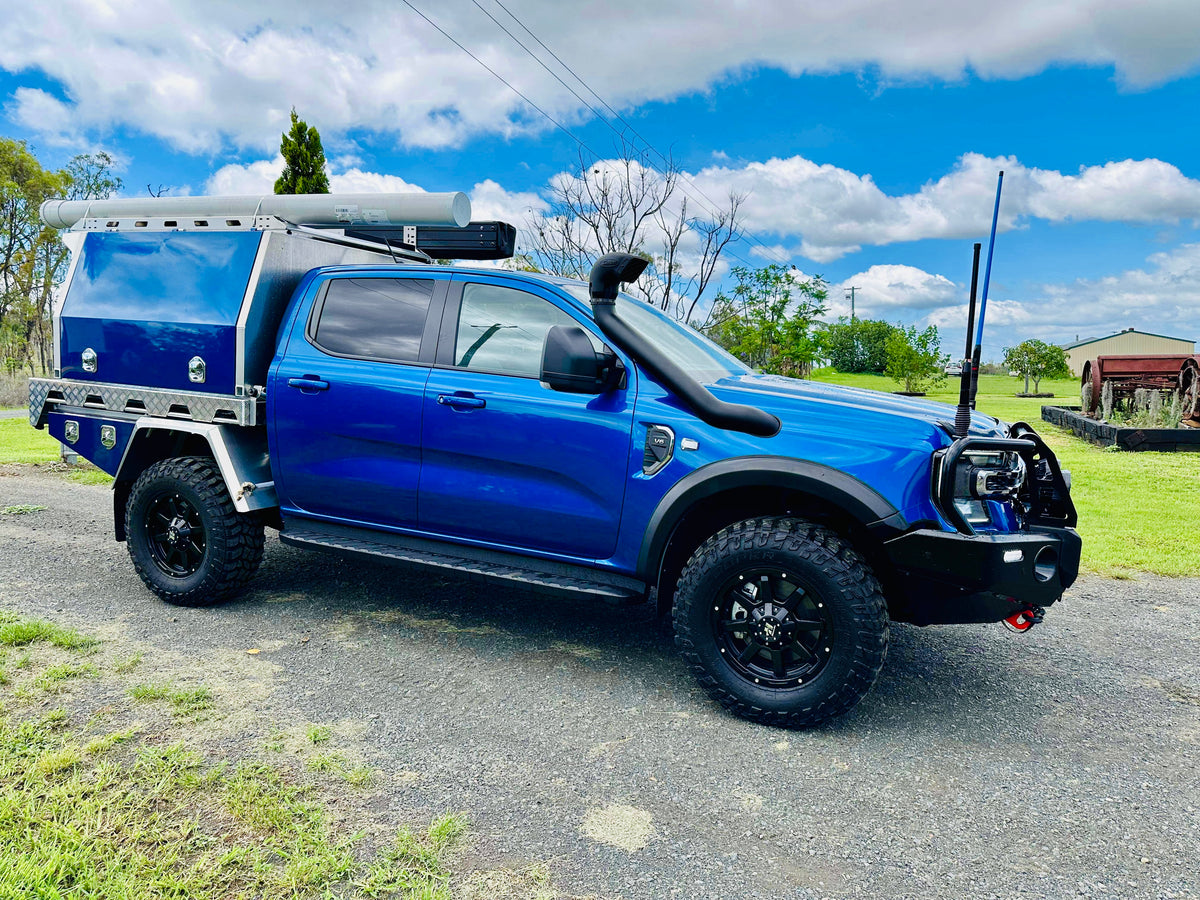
{"x": 571, "y": 364}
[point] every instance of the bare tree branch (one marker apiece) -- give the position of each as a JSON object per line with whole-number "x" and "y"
{"x": 625, "y": 205}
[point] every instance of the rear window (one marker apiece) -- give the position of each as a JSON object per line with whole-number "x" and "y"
{"x": 374, "y": 318}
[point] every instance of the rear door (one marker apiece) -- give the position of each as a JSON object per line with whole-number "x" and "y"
{"x": 347, "y": 395}
{"x": 505, "y": 459}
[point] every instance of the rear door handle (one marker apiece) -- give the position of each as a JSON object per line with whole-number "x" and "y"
{"x": 461, "y": 401}
{"x": 308, "y": 383}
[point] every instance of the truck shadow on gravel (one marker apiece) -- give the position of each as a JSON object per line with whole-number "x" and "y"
{"x": 934, "y": 679}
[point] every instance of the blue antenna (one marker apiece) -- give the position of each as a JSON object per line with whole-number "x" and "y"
{"x": 987, "y": 271}
{"x": 987, "y": 276}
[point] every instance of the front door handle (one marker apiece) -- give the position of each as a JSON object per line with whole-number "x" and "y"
{"x": 461, "y": 401}
{"x": 308, "y": 383}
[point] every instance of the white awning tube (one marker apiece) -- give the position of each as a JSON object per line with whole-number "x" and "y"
{"x": 299, "y": 209}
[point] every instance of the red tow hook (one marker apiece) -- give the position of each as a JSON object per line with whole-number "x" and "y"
{"x": 1025, "y": 619}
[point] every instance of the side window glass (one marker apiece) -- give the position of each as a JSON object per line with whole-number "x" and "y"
{"x": 374, "y": 318}
{"x": 502, "y": 330}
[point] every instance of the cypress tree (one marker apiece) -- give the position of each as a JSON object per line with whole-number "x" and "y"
{"x": 304, "y": 160}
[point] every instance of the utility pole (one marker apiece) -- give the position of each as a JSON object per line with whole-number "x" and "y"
{"x": 850, "y": 294}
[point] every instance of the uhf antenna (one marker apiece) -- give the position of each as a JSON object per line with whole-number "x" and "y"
{"x": 962, "y": 416}
{"x": 987, "y": 276}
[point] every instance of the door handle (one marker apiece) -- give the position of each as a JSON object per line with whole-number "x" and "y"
{"x": 308, "y": 383}
{"x": 461, "y": 401}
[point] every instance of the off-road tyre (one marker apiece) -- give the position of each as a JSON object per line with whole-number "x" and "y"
{"x": 829, "y": 584}
{"x": 216, "y": 550}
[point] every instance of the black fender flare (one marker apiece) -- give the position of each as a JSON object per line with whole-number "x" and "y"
{"x": 857, "y": 499}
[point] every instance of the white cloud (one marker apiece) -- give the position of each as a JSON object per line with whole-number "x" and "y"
{"x": 245, "y": 178}
{"x": 44, "y": 114}
{"x": 1162, "y": 297}
{"x": 882, "y": 290}
{"x": 205, "y": 74}
{"x": 834, "y": 212}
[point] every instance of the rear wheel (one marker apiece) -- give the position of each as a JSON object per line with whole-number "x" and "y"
{"x": 781, "y": 621}
{"x": 187, "y": 541}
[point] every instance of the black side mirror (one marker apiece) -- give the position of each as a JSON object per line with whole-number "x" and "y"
{"x": 571, "y": 364}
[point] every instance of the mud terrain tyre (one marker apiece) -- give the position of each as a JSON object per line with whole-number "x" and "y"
{"x": 781, "y": 621}
{"x": 187, "y": 542}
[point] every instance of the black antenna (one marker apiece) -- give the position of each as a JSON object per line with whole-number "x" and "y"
{"x": 987, "y": 277}
{"x": 962, "y": 416}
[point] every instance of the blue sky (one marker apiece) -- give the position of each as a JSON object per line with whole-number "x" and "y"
{"x": 866, "y": 135}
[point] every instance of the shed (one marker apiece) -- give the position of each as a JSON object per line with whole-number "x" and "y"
{"x": 1127, "y": 342}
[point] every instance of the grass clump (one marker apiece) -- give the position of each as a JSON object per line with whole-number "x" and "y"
{"x": 160, "y": 825}
{"x": 319, "y": 734}
{"x": 55, "y": 678}
{"x": 127, "y": 664}
{"x": 415, "y": 865}
{"x": 336, "y": 764}
{"x": 186, "y": 703}
{"x": 20, "y": 632}
{"x": 20, "y": 509}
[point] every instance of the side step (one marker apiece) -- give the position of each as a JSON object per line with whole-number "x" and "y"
{"x": 542, "y": 575}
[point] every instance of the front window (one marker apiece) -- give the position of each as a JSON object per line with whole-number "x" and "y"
{"x": 683, "y": 345}
{"x": 503, "y": 330}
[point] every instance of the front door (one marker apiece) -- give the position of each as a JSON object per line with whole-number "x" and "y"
{"x": 505, "y": 459}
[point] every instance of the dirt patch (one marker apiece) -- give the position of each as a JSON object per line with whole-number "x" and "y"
{"x": 619, "y": 825}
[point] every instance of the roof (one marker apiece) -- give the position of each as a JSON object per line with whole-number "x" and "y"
{"x": 1126, "y": 331}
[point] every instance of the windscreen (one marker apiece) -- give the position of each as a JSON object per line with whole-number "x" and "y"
{"x": 682, "y": 344}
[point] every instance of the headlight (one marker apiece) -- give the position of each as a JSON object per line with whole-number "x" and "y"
{"x": 974, "y": 481}
{"x": 1011, "y": 483}
{"x": 988, "y": 475}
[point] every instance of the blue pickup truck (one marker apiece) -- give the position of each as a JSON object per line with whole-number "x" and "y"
{"x": 238, "y": 371}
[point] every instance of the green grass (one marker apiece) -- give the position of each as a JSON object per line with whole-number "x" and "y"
{"x": 186, "y": 703}
{"x": 1137, "y": 511}
{"x": 54, "y": 679}
{"x": 337, "y": 764}
{"x": 20, "y": 510}
{"x": 20, "y": 632}
{"x": 133, "y": 813}
{"x": 21, "y": 444}
{"x": 414, "y": 866}
{"x": 319, "y": 734}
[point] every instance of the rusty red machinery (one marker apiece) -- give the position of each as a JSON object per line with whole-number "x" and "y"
{"x": 1155, "y": 372}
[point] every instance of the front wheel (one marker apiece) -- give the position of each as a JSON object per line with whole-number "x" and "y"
{"x": 781, "y": 621}
{"x": 187, "y": 541}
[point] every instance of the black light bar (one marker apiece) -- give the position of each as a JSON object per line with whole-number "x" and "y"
{"x": 478, "y": 240}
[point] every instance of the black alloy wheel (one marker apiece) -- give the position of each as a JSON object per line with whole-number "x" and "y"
{"x": 175, "y": 534}
{"x": 781, "y": 621}
{"x": 770, "y": 629}
{"x": 186, "y": 538}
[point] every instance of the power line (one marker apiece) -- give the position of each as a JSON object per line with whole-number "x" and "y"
{"x": 498, "y": 77}
{"x": 713, "y": 206}
{"x": 713, "y": 209}
{"x": 541, "y": 111}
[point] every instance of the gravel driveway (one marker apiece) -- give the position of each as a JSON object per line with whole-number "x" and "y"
{"x": 1060, "y": 763}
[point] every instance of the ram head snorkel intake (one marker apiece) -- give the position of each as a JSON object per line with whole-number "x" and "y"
{"x": 609, "y": 272}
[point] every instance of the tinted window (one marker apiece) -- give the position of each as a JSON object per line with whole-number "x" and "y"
{"x": 503, "y": 330}
{"x": 379, "y": 318}
{"x": 680, "y": 343}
